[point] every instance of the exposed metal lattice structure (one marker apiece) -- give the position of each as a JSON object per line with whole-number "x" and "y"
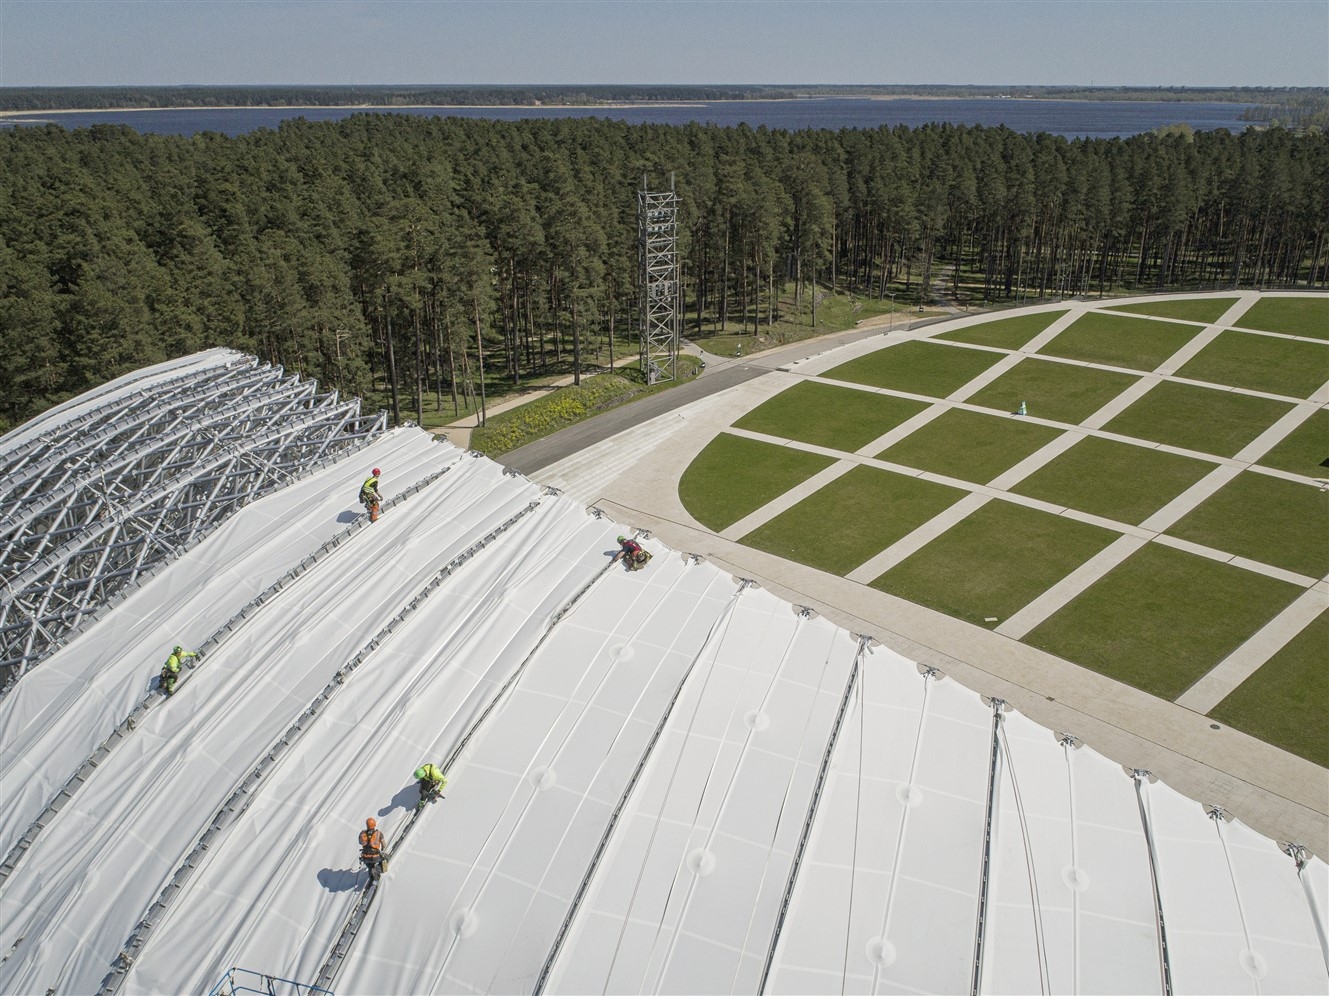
{"x": 107, "y": 490}
{"x": 657, "y": 231}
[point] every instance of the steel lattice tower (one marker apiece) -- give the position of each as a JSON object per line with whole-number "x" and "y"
{"x": 657, "y": 228}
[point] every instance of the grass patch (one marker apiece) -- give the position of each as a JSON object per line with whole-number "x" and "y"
{"x": 569, "y": 405}
{"x": 916, "y": 367}
{"x": 1304, "y": 450}
{"x": 969, "y": 446}
{"x": 835, "y": 313}
{"x": 994, "y": 562}
{"x": 1162, "y": 619}
{"x": 1307, "y": 316}
{"x": 1005, "y": 333}
{"x": 1285, "y": 702}
{"x": 733, "y": 477}
{"x": 1261, "y": 363}
{"x": 1115, "y": 480}
{"x": 1196, "y": 309}
{"x": 1267, "y": 519}
{"x": 1198, "y": 418}
{"x": 852, "y": 519}
{"x": 1057, "y": 391}
{"x": 1120, "y": 341}
{"x": 841, "y": 418}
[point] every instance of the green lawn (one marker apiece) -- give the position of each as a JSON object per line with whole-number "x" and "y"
{"x": 1261, "y": 363}
{"x": 994, "y": 562}
{"x": 852, "y": 519}
{"x": 836, "y": 312}
{"x": 1284, "y": 702}
{"x": 1267, "y": 519}
{"x": 917, "y": 367}
{"x": 1057, "y": 391}
{"x": 1162, "y": 619}
{"x": 841, "y": 418}
{"x": 1200, "y": 309}
{"x": 1005, "y": 333}
{"x": 1305, "y": 450}
{"x": 969, "y": 446}
{"x": 1120, "y": 341}
{"x": 1307, "y": 316}
{"x": 1115, "y": 480}
{"x": 733, "y": 477}
{"x": 1198, "y": 418}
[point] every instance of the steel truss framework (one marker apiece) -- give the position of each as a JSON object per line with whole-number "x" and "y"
{"x": 99, "y": 499}
{"x": 657, "y": 230}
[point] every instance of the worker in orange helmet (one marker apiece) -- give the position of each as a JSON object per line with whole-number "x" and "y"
{"x": 372, "y": 849}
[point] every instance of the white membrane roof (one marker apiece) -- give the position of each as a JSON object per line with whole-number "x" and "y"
{"x": 661, "y": 781}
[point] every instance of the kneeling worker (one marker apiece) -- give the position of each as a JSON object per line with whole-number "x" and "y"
{"x": 431, "y": 783}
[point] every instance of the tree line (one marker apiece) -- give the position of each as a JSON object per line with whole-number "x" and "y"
{"x": 1268, "y": 100}
{"x": 415, "y": 253}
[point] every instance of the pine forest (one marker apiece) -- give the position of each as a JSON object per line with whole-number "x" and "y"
{"x": 398, "y": 257}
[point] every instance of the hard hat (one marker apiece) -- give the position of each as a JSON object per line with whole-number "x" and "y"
{"x": 419, "y": 772}
{"x": 177, "y": 649}
{"x": 622, "y": 539}
{"x": 376, "y": 471}
{"x": 371, "y": 823}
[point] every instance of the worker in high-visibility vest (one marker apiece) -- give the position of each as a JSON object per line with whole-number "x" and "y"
{"x": 431, "y": 782}
{"x": 171, "y": 669}
{"x": 369, "y": 496}
{"x": 371, "y": 849}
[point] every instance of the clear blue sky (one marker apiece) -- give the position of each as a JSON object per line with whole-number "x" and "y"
{"x": 1129, "y": 42}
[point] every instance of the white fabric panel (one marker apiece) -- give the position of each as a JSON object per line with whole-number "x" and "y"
{"x": 538, "y": 788}
{"x": 887, "y": 897}
{"x": 138, "y": 816}
{"x": 61, "y": 711}
{"x": 687, "y": 893}
{"x": 276, "y": 889}
{"x": 687, "y": 898}
{"x": 1273, "y": 914}
{"x": 1070, "y": 901}
{"x": 1315, "y": 883}
{"x": 1233, "y": 908}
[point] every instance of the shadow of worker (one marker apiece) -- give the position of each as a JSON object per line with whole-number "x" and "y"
{"x": 338, "y": 879}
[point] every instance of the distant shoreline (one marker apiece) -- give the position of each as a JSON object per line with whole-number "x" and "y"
{"x": 42, "y": 114}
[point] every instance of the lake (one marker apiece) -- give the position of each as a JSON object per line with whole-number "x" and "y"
{"x": 1071, "y": 118}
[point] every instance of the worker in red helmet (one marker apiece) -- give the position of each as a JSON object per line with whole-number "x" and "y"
{"x": 371, "y": 849}
{"x": 369, "y": 496}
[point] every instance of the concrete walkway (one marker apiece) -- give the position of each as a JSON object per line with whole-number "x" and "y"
{"x": 1219, "y": 683}
{"x": 634, "y": 474}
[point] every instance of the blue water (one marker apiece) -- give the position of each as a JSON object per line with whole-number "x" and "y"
{"x": 1071, "y": 118}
